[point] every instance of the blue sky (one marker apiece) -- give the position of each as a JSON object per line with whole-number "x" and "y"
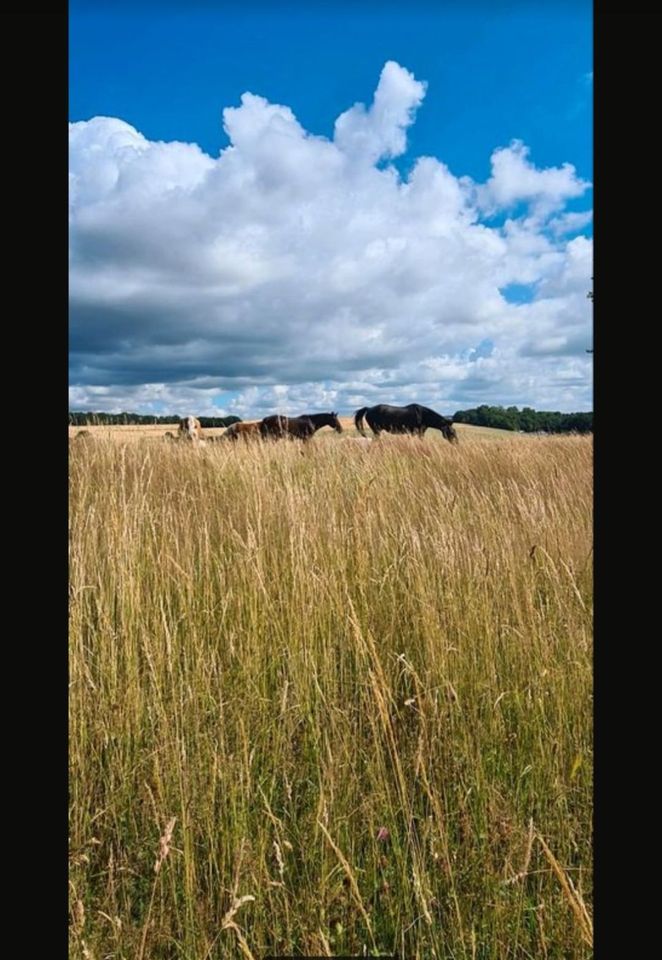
{"x": 493, "y": 74}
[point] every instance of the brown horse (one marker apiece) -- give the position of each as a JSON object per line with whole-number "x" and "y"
{"x": 243, "y": 431}
{"x": 298, "y": 428}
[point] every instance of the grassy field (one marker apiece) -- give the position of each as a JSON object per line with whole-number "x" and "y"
{"x": 331, "y": 700}
{"x": 140, "y": 432}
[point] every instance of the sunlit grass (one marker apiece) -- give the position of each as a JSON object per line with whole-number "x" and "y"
{"x": 360, "y": 680}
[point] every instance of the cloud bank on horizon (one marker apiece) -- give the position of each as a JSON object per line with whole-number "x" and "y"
{"x": 294, "y": 272}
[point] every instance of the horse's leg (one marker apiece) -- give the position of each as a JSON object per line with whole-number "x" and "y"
{"x": 374, "y": 426}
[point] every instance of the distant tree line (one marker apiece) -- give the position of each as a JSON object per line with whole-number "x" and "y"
{"x": 526, "y": 420}
{"x": 502, "y": 418}
{"x": 80, "y": 419}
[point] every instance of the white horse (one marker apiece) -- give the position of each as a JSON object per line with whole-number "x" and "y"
{"x": 190, "y": 429}
{"x": 363, "y": 442}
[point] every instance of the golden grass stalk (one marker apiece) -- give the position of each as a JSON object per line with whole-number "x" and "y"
{"x": 350, "y": 682}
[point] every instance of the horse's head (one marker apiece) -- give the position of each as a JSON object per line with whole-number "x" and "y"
{"x": 450, "y": 432}
{"x": 190, "y": 429}
{"x": 335, "y": 422}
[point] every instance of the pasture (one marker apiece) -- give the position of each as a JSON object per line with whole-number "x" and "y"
{"x": 331, "y": 699}
{"x": 129, "y": 432}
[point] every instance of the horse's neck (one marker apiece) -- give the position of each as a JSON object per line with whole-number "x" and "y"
{"x": 433, "y": 419}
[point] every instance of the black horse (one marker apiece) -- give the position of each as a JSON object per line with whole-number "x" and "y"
{"x": 410, "y": 419}
{"x": 301, "y": 428}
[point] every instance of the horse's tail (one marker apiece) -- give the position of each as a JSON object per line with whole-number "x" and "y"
{"x": 358, "y": 420}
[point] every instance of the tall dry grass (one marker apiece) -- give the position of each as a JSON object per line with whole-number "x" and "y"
{"x": 331, "y": 700}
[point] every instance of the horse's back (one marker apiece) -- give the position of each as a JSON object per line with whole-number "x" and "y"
{"x": 303, "y": 426}
{"x": 390, "y": 410}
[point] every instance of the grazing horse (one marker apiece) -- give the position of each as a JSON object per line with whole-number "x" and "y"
{"x": 243, "y": 431}
{"x": 301, "y": 428}
{"x": 325, "y": 420}
{"x": 277, "y": 427}
{"x": 190, "y": 429}
{"x": 410, "y": 419}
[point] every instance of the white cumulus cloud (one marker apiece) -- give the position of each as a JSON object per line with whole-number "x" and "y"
{"x": 295, "y": 272}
